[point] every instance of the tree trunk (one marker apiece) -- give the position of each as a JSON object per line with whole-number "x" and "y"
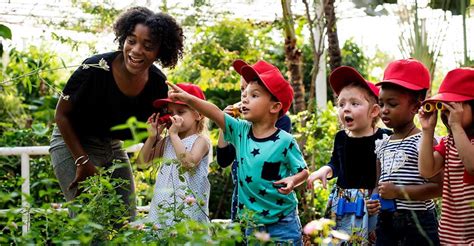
{"x": 293, "y": 58}
{"x": 316, "y": 48}
{"x": 333, "y": 42}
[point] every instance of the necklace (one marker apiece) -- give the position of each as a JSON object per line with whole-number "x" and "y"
{"x": 394, "y": 154}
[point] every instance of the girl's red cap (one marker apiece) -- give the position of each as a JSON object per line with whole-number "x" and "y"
{"x": 457, "y": 86}
{"x": 187, "y": 87}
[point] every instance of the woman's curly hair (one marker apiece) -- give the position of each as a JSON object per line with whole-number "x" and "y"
{"x": 165, "y": 32}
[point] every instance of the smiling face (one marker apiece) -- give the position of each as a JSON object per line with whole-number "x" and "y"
{"x": 356, "y": 112}
{"x": 398, "y": 107}
{"x": 139, "y": 51}
{"x": 257, "y": 103}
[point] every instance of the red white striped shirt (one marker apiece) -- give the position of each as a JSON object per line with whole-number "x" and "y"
{"x": 457, "y": 212}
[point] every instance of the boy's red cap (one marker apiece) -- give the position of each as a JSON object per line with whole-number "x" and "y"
{"x": 457, "y": 86}
{"x": 271, "y": 78}
{"x": 345, "y": 75}
{"x": 187, "y": 87}
{"x": 408, "y": 73}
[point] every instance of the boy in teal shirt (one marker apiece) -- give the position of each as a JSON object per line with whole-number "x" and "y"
{"x": 270, "y": 162}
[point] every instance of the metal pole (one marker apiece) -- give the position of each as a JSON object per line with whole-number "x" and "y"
{"x": 25, "y": 190}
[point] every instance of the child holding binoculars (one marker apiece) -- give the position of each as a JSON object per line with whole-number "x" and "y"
{"x": 407, "y": 215}
{"x": 188, "y": 143}
{"x": 353, "y": 159}
{"x": 453, "y": 156}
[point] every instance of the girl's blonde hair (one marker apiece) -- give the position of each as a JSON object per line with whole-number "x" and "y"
{"x": 203, "y": 126}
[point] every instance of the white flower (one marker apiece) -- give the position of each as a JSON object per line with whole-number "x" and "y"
{"x": 65, "y": 97}
{"x": 340, "y": 235}
{"x": 85, "y": 66}
{"x": 103, "y": 64}
{"x": 315, "y": 226}
{"x": 262, "y": 236}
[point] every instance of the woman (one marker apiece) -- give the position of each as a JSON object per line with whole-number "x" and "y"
{"x": 96, "y": 99}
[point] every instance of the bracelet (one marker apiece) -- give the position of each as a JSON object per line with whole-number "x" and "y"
{"x": 76, "y": 162}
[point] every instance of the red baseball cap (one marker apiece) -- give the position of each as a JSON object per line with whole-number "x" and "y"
{"x": 187, "y": 87}
{"x": 457, "y": 86}
{"x": 408, "y": 73}
{"x": 271, "y": 78}
{"x": 345, "y": 75}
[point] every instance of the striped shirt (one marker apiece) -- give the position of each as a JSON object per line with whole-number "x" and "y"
{"x": 399, "y": 165}
{"x": 457, "y": 212}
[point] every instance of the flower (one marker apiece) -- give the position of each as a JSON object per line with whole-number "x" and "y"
{"x": 103, "y": 64}
{"x": 189, "y": 200}
{"x": 315, "y": 226}
{"x": 340, "y": 235}
{"x": 262, "y": 236}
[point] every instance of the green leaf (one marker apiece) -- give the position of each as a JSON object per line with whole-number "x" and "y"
{"x": 5, "y": 32}
{"x": 120, "y": 127}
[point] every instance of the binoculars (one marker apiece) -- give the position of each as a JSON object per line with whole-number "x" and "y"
{"x": 432, "y": 106}
{"x": 346, "y": 207}
{"x": 165, "y": 119}
{"x": 388, "y": 205}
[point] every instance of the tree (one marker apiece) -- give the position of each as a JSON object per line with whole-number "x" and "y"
{"x": 334, "y": 50}
{"x": 293, "y": 57}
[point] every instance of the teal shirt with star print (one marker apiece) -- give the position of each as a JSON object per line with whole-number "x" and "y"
{"x": 260, "y": 163}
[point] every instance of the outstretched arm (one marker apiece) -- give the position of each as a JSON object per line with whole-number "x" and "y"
{"x": 208, "y": 109}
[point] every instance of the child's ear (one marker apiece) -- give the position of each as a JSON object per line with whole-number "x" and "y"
{"x": 276, "y": 108}
{"x": 375, "y": 110}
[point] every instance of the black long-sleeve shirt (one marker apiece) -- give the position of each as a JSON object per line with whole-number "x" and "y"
{"x": 353, "y": 160}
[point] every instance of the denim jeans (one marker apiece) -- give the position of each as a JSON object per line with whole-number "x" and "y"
{"x": 286, "y": 231}
{"x": 407, "y": 227}
{"x": 102, "y": 152}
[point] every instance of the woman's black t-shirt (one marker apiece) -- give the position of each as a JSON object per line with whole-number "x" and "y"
{"x": 98, "y": 104}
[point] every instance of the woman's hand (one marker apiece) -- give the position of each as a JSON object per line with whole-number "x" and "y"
{"x": 82, "y": 172}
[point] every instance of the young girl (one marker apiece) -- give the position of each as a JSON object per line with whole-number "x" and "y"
{"x": 186, "y": 143}
{"x": 453, "y": 156}
{"x": 353, "y": 158}
{"x": 407, "y": 214}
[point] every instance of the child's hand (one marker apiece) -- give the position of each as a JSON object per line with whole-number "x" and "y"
{"x": 287, "y": 183}
{"x": 176, "y": 124}
{"x": 178, "y": 94}
{"x": 321, "y": 174}
{"x": 373, "y": 206}
{"x": 455, "y": 113}
{"x": 388, "y": 190}
{"x": 427, "y": 119}
{"x": 154, "y": 128}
